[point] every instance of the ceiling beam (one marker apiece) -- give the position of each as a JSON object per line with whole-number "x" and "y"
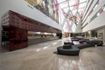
{"x": 74, "y": 5}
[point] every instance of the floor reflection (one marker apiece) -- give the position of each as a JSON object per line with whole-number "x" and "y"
{"x": 68, "y": 63}
{"x": 41, "y": 57}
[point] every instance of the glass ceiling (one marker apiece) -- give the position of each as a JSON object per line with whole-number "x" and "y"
{"x": 74, "y": 7}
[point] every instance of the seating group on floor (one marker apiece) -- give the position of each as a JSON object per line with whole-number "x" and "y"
{"x": 69, "y": 48}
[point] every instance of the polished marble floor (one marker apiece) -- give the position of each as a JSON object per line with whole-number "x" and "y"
{"x": 43, "y": 57}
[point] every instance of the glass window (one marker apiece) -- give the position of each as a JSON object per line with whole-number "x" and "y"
{"x": 76, "y": 8}
{"x": 98, "y": 14}
{"x": 59, "y": 1}
{"x": 66, "y": 10}
{"x": 64, "y": 5}
{"x": 82, "y": 5}
{"x": 74, "y": 12}
{"x": 82, "y": 1}
{"x": 104, "y": 8}
{"x": 72, "y": 2}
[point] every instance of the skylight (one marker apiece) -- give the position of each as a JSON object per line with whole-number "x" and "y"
{"x": 75, "y": 6}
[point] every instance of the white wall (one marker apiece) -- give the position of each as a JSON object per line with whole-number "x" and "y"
{"x": 88, "y": 10}
{"x": 101, "y": 30}
{"x": 20, "y": 6}
{"x": 96, "y": 23}
{"x": 79, "y": 28}
{"x": 95, "y": 10}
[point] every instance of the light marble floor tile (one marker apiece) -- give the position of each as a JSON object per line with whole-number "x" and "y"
{"x": 38, "y": 57}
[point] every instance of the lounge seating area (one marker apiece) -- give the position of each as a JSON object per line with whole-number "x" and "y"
{"x": 69, "y": 48}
